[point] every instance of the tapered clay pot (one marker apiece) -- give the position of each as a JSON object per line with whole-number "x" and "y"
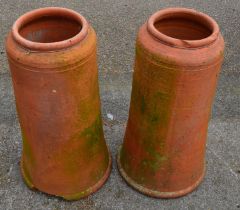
{"x": 52, "y": 57}
{"x": 178, "y": 58}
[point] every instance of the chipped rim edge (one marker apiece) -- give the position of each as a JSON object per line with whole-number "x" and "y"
{"x": 178, "y": 12}
{"x": 75, "y": 196}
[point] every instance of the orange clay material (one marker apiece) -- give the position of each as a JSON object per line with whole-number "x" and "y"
{"x": 179, "y": 53}
{"x": 52, "y": 58}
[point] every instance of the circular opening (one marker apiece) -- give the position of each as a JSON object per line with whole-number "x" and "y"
{"x": 50, "y": 28}
{"x": 183, "y": 27}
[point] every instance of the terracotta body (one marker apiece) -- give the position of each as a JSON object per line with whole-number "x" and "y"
{"x": 178, "y": 58}
{"x": 52, "y": 57}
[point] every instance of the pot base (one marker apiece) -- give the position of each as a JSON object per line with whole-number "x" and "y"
{"x": 154, "y": 193}
{"x": 75, "y": 196}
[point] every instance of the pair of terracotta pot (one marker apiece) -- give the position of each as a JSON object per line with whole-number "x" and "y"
{"x": 52, "y": 57}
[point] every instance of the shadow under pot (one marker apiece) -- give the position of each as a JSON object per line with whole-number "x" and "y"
{"x": 52, "y": 58}
{"x": 179, "y": 53}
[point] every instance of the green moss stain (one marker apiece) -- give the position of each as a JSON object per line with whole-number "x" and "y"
{"x": 93, "y": 136}
{"x": 84, "y": 111}
{"x": 26, "y": 176}
{"x": 143, "y": 104}
{"x": 89, "y": 143}
{"x": 155, "y": 163}
{"x": 93, "y": 133}
{"x": 94, "y": 145}
{"x": 77, "y": 196}
{"x": 29, "y": 157}
{"x": 124, "y": 158}
{"x": 153, "y": 92}
{"x": 87, "y": 106}
{"x": 221, "y": 53}
{"x": 26, "y": 148}
{"x": 153, "y": 113}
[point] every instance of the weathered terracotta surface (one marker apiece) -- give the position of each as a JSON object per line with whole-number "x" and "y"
{"x": 52, "y": 57}
{"x": 178, "y": 58}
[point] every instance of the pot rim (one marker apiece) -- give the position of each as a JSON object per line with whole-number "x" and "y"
{"x": 190, "y": 13}
{"x": 49, "y": 11}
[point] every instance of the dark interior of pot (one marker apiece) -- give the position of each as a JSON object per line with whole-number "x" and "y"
{"x": 50, "y": 29}
{"x": 184, "y": 28}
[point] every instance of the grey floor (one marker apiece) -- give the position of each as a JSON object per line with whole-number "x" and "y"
{"x": 116, "y": 23}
